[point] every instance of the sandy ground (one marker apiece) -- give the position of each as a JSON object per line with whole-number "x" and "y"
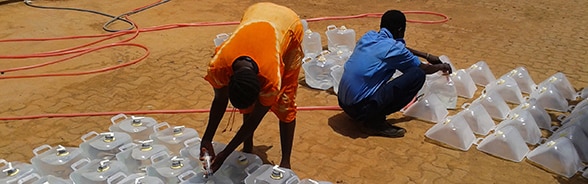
{"x": 544, "y": 36}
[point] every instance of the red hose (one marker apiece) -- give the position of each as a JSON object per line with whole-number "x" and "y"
{"x": 82, "y": 50}
{"x": 308, "y": 108}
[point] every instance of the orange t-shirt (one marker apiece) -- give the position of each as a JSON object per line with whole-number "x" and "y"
{"x": 271, "y": 35}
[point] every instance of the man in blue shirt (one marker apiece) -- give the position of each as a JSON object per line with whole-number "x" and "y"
{"x": 366, "y": 92}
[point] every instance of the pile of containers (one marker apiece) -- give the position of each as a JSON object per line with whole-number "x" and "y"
{"x": 518, "y": 132}
{"x": 139, "y": 150}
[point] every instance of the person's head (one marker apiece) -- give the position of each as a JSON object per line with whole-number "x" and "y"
{"x": 395, "y": 22}
{"x": 244, "y": 85}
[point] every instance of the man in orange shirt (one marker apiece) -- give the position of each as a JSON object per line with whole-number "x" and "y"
{"x": 256, "y": 69}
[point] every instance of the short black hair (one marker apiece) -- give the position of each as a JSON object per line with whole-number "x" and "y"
{"x": 393, "y": 20}
{"x": 244, "y": 87}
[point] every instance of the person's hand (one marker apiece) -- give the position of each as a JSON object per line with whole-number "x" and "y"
{"x": 218, "y": 161}
{"x": 206, "y": 146}
{"x": 433, "y": 59}
{"x": 445, "y": 68}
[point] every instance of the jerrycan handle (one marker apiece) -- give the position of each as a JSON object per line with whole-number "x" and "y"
{"x": 30, "y": 178}
{"x": 561, "y": 117}
{"x": 156, "y": 128}
{"x": 251, "y": 168}
{"x": 293, "y": 180}
{"x": 42, "y": 147}
{"x": 571, "y": 108}
{"x": 116, "y": 178}
{"x": 222, "y": 35}
{"x": 466, "y": 105}
{"x": 191, "y": 141}
{"x": 158, "y": 157}
{"x": 186, "y": 175}
{"x": 85, "y": 137}
{"x": 80, "y": 163}
{"x": 331, "y": 27}
{"x": 127, "y": 146}
{"x": 118, "y": 116}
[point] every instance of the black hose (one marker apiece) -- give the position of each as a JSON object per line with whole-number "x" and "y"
{"x": 107, "y": 24}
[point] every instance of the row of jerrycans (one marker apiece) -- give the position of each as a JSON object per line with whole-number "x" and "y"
{"x": 112, "y": 157}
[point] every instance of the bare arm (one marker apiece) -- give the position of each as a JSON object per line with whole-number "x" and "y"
{"x": 432, "y": 68}
{"x": 217, "y": 111}
{"x": 246, "y": 130}
{"x": 429, "y": 57}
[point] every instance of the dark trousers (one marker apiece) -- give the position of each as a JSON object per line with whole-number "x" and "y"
{"x": 389, "y": 98}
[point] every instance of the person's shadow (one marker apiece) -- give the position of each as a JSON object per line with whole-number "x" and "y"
{"x": 261, "y": 151}
{"x": 344, "y": 125}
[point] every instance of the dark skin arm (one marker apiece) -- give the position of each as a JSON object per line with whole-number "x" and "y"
{"x": 429, "y": 57}
{"x": 432, "y": 68}
{"x": 217, "y": 111}
{"x": 249, "y": 125}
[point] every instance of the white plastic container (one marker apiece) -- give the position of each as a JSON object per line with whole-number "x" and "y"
{"x": 464, "y": 84}
{"x": 523, "y": 79}
{"x": 563, "y": 85}
{"x": 138, "y": 156}
{"x": 445, "y": 90}
{"x": 239, "y": 165}
{"x": 317, "y": 72}
{"x": 137, "y": 178}
{"x": 172, "y": 137}
{"x": 428, "y": 108}
{"x": 578, "y": 138}
{"x": 311, "y": 43}
{"x": 220, "y": 38}
{"x": 56, "y": 161}
{"x": 169, "y": 169}
{"x": 506, "y": 143}
{"x": 549, "y": 97}
{"x": 97, "y": 171}
{"x": 191, "y": 149}
{"x": 477, "y": 118}
{"x": 336, "y": 75}
{"x": 539, "y": 114}
{"x": 526, "y": 126}
{"x": 454, "y": 132}
{"x": 558, "y": 156}
{"x": 340, "y": 39}
{"x": 104, "y": 145}
{"x": 481, "y": 73}
{"x": 269, "y": 174}
{"x": 508, "y": 90}
{"x": 12, "y": 172}
{"x": 139, "y": 128}
{"x": 494, "y": 104}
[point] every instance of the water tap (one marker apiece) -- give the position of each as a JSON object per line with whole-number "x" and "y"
{"x": 179, "y": 130}
{"x": 108, "y": 136}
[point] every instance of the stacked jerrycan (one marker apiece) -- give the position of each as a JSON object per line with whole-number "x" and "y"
{"x": 139, "y": 128}
{"x": 172, "y": 137}
{"x": 104, "y": 145}
{"x": 272, "y": 175}
{"x": 317, "y": 71}
{"x": 97, "y": 171}
{"x": 56, "y": 161}
{"x": 340, "y": 39}
{"x": 145, "y": 153}
{"x": 15, "y": 172}
{"x": 220, "y": 38}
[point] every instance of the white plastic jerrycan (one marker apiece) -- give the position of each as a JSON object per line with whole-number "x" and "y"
{"x": 525, "y": 124}
{"x": 97, "y": 171}
{"x": 191, "y": 149}
{"x": 428, "y": 108}
{"x": 172, "y": 137}
{"x": 578, "y": 138}
{"x": 508, "y": 90}
{"x": 340, "y": 39}
{"x": 539, "y": 113}
{"x": 311, "y": 43}
{"x": 445, "y": 90}
{"x": 12, "y": 172}
{"x": 494, "y": 104}
{"x": 506, "y": 143}
{"x": 239, "y": 165}
{"x": 522, "y": 78}
{"x": 272, "y": 175}
{"x": 56, "y": 161}
{"x": 563, "y": 85}
{"x": 317, "y": 72}
{"x": 138, "y": 156}
{"x": 558, "y": 155}
{"x": 549, "y": 97}
{"x": 477, "y": 118}
{"x": 170, "y": 168}
{"x": 104, "y": 145}
{"x": 481, "y": 74}
{"x": 454, "y": 132}
{"x": 464, "y": 84}
{"x": 139, "y": 128}
{"x": 220, "y": 38}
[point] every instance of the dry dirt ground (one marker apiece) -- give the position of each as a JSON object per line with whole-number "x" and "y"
{"x": 542, "y": 35}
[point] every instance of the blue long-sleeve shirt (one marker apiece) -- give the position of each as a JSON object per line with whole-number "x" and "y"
{"x": 375, "y": 58}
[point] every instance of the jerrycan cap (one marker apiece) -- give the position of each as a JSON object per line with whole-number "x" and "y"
{"x": 277, "y": 173}
{"x": 179, "y": 130}
{"x": 108, "y": 136}
{"x": 136, "y": 121}
{"x": 61, "y": 151}
{"x": 10, "y": 171}
{"x": 242, "y": 160}
{"x": 176, "y": 163}
{"x": 146, "y": 145}
{"x": 103, "y": 165}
